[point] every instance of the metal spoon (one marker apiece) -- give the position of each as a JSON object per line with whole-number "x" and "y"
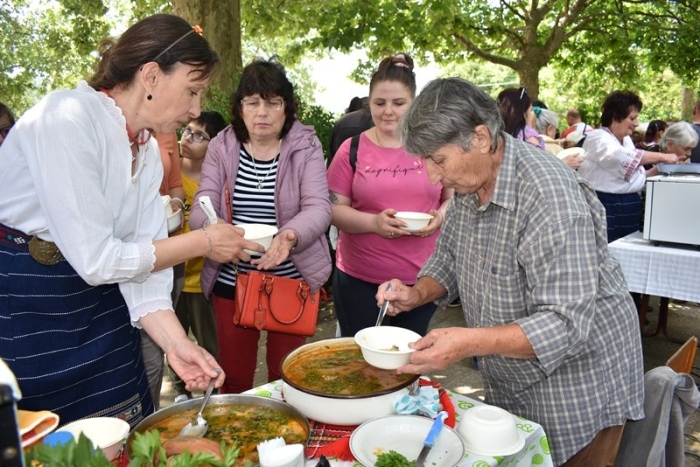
{"x": 382, "y": 310}
{"x": 199, "y": 426}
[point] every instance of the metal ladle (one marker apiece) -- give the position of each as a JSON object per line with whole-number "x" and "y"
{"x": 199, "y": 426}
{"x": 382, "y": 310}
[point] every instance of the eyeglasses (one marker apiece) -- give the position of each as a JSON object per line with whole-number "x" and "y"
{"x": 273, "y": 105}
{"x": 523, "y": 91}
{"x": 195, "y": 136}
{"x": 5, "y": 130}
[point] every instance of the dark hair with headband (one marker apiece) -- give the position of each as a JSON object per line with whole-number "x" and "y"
{"x": 399, "y": 68}
{"x": 512, "y": 104}
{"x": 164, "y": 39}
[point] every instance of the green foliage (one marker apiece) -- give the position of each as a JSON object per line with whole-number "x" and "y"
{"x": 580, "y": 49}
{"x": 488, "y": 76}
{"x": 68, "y": 455}
{"x": 146, "y": 445}
{"x": 46, "y": 45}
{"x": 321, "y": 119}
{"x": 563, "y": 87}
{"x": 609, "y": 37}
{"x": 145, "y": 448}
{"x": 278, "y": 48}
{"x": 218, "y": 100}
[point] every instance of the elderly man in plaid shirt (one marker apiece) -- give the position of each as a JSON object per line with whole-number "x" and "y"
{"x": 524, "y": 245}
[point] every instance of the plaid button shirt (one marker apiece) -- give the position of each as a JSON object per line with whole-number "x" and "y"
{"x": 537, "y": 255}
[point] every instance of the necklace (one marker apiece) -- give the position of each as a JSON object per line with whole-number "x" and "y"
{"x": 379, "y": 140}
{"x": 255, "y": 170}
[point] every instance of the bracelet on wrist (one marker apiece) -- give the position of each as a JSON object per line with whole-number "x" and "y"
{"x": 182, "y": 203}
{"x": 211, "y": 243}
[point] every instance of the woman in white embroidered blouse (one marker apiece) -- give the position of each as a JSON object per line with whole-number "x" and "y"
{"x": 86, "y": 257}
{"x": 614, "y": 167}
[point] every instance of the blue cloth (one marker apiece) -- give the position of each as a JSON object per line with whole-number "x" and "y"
{"x": 622, "y": 213}
{"x": 70, "y": 345}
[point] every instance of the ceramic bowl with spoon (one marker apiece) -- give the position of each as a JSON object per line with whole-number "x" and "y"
{"x": 386, "y": 347}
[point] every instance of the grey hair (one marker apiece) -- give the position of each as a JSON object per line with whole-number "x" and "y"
{"x": 546, "y": 118}
{"x": 681, "y": 133}
{"x": 447, "y": 111}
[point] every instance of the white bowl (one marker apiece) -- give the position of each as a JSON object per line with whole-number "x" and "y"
{"x": 386, "y": 347}
{"x": 414, "y": 220}
{"x": 405, "y": 434}
{"x": 490, "y": 431}
{"x": 174, "y": 221}
{"x": 563, "y": 154}
{"x": 166, "y": 205}
{"x": 258, "y": 233}
{"x": 106, "y": 433}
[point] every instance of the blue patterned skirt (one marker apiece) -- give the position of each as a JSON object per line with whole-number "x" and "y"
{"x": 622, "y": 213}
{"x": 71, "y": 345}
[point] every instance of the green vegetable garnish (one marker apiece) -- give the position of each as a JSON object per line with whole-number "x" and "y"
{"x": 393, "y": 459}
{"x": 144, "y": 449}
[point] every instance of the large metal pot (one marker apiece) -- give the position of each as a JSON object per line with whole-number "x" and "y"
{"x": 215, "y": 400}
{"x": 338, "y": 409}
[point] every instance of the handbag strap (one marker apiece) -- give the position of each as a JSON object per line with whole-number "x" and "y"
{"x": 302, "y": 293}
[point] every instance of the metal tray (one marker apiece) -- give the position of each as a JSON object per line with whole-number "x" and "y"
{"x": 693, "y": 168}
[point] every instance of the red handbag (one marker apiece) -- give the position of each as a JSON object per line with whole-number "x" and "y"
{"x": 273, "y": 303}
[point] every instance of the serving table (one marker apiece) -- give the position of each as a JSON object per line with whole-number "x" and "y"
{"x": 667, "y": 270}
{"x": 534, "y": 453}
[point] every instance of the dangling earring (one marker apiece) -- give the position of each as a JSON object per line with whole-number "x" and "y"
{"x": 148, "y": 96}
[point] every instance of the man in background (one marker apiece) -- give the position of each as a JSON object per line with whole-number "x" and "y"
{"x": 573, "y": 118}
{"x": 356, "y": 120}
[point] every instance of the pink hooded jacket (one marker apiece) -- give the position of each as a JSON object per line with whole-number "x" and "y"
{"x": 301, "y": 199}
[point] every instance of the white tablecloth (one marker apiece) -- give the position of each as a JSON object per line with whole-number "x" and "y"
{"x": 535, "y": 453}
{"x": 667, "y": 270}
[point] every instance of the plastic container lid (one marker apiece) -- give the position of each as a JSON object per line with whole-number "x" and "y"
{"x": 58, "y": 438}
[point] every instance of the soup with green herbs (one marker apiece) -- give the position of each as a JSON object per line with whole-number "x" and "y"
{"x": 340, "y": 370}
{"x": 245, "y": 425}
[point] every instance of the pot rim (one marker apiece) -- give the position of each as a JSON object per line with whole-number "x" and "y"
{"x": 337, "y": 341}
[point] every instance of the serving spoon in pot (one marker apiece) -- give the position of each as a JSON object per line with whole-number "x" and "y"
{"x": 199, "y": 426}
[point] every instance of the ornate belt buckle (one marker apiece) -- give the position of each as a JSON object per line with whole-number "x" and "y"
{"x": 43, "y": 252}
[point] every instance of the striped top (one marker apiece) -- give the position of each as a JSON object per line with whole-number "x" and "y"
{"x": 253, "y": 205}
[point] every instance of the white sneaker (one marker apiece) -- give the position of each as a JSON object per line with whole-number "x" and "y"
{"x": 181, "y": 398}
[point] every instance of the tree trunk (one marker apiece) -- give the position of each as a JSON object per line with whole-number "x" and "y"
{"x": 530, "y": 78}
{"x": 221, "y": 22}
{"x": 687, "y": 103}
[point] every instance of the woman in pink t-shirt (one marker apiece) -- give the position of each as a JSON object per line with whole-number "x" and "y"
{"x": 373, "y": 245}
